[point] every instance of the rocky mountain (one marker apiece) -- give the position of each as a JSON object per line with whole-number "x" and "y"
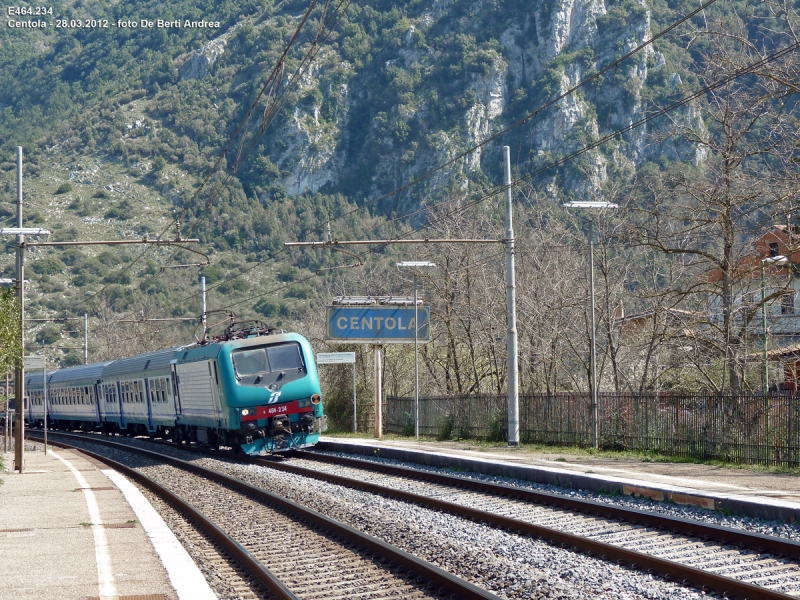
{"x": 121, "y": 126}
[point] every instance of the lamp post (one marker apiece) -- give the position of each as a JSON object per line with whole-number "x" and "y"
{"x": 592, "y": 350}
{"x": 778, "y": 261}
{"x": 416, "y": 265}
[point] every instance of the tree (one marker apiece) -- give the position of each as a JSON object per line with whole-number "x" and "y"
{"x": 10, "y": 348}
{"x": 746, "y": 176}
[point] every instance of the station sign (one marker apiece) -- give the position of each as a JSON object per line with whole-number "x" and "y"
{"x": 336, "y": 358}
{"x": 377, "y": 324}
{"x": 34, "y": 362}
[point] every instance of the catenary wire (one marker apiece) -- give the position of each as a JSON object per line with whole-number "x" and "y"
{"x": 593, "y": 78}
{"x": 500, "y": 188}
{"x": 213, "y": 170}
{"x": 580, "y": 151}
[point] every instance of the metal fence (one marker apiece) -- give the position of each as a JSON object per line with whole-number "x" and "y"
{"x": 744, "y": 428}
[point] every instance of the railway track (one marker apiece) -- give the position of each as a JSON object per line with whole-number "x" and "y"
{"x": 282, "y": 549}
{"x": 730, "y": 562}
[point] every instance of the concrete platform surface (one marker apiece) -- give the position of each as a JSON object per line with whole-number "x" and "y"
{"x": 68, "y": 531}
{"x": 744, "y": 491}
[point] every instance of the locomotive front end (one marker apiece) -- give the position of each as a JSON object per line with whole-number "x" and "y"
{"x": 274, "y": 395}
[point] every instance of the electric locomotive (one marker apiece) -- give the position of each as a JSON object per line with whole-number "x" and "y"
{"x": 252, "y": 388}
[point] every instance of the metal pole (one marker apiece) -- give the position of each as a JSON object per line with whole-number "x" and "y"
{"x": 511, "y": 310}
{"x": 766, "y": 358}
{"x": 19, "y": 373}
{"x": 203, "y": 315}
{"x": 416, "y": 362}
{"x": 355, "y": 421}
{"x": 7, "y": 425}
{"x": 378, "y": 392}
{"x": 44, "y": 386}
{"x": 593, "y": 352}
{"x": 85, "y": 339}
{"x": 764, "y": 328}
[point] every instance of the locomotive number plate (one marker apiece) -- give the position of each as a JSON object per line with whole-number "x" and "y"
{"x": 273, "y": 410}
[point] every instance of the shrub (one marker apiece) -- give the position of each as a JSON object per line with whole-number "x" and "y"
{"x": 268, "y": 308}
{"x": 298, "y": 291}
{"x": 408, "y": 424}
{"x": 72, "y": 359}
{"x": 49, "y": 266}
{"x": 445, "y": 428}
{"x": 49, "y": 334}
{"x": 122, "y": 211}
{"x": 213, "y": 274}
{"x": 64, "y": 188}
{"x": 497, "y": 428}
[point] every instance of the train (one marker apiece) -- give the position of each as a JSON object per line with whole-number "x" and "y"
{"x": 253, "y": 389}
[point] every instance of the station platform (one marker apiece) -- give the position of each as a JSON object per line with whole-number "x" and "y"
{"x": 773, "y": 496}
{"x": 72, "y": 528}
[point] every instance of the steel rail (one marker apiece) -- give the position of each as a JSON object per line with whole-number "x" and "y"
{"x": 667, "y": 569}
{"x": 261, "y": 574}
{"x": 725, "y": 535}
{"x": 463, "y": 589}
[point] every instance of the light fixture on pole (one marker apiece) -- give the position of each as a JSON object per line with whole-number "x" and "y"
{"x": 415, "y": 265}
{"x": 593, "y": 350}
{"x": 777, "y": 261}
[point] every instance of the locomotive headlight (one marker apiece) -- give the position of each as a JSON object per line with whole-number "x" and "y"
{"x": 245, "y": 412}
{"x": 316, "y": 399}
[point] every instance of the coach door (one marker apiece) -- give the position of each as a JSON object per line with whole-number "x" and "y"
{"x": 97, "y": 398}
{"x": 150, "y": 425}
{"x": 175, "y": 392}
{"x": 121, "y": 406}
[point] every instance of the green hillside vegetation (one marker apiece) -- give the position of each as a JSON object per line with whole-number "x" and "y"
{"x": 121, "y": 127}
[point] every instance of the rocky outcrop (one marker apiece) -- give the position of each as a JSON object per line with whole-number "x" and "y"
{"x": 196, "y": 67}
{"x": 552, "y": 47}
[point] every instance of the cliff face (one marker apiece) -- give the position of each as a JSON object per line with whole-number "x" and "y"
{"x": 396, "y": 90}
{"x": 444, "y": 79}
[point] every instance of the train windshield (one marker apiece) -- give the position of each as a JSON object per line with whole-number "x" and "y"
{"x": 268, "y": 359}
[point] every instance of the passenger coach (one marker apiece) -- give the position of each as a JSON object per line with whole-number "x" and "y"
{"x": 259, "y": 393}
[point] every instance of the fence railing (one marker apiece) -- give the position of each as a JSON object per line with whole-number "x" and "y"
{"x": 743, "y": 428}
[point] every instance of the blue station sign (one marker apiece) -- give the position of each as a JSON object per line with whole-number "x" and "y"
{"x": 377, "y": 324}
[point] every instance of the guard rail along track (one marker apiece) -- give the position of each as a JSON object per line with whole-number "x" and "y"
{"x": 628, "y": 528}
{"x": 395, "y": 574}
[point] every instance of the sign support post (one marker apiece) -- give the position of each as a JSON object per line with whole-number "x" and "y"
{"x": 378, "y": 392}
{"x": 44, "y": 387}
{"x": 355, "y": 421}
